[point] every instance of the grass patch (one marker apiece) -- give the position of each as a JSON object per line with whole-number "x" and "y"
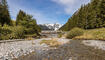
{"x": 31, "y": 36}
{"x": 51, "y": 43}
{"x": 94, "y": 34}
{"x": 75, "y": 32}
{"x": 60, "y": 35}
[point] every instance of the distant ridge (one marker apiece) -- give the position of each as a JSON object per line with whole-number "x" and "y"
{"x": 49, "y": 26}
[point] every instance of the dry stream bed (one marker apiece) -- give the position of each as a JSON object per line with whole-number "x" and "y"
{"x": 74, "y": 50}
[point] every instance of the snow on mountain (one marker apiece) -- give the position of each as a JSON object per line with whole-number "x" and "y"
{"x": 54, "y": 27}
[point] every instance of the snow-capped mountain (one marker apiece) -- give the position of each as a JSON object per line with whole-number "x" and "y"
{"x": 54, "y": 27}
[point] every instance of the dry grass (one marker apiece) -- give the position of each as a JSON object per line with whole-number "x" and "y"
{"x": 75, "y": 32}
{"x": 60, "y": 35}
{"x": 84, "y": 37}
{"x": 29, "y": 38}
{"x": 94, "y": 34}
{"x": 51, "y": 43}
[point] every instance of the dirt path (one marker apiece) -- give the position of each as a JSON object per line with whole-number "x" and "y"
{"x": 71, "y": 51}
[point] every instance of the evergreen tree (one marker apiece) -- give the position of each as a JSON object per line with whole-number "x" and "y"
{"x": 89, "y": 16}
{"x": 102, "y": 12}
{"x": 1, "y": 13}
{"x": 4, "y": 13}
{"x": 28, "y": 22}
{"x": 20, "y": 17}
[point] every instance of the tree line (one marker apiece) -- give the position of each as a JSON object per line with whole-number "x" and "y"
{"x": 89, "y": 16}
{"x": 24, "y": 24}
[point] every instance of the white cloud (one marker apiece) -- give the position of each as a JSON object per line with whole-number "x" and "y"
{"x": 64, "y": 2}
{"x": 70, "y": 6}
{"x": 38, "y": 15}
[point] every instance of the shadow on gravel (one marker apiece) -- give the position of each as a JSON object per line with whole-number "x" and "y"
{"x": 73, "y": 50}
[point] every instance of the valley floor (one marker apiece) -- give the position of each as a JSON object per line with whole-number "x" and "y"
{"x": 68, "y": 50}
{"x": 75, "y": 50}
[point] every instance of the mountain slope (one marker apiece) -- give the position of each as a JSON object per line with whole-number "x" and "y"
{"x": 89, "y": 16}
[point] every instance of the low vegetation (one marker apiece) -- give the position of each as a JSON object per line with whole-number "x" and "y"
{"x": 92, "y": 34}
{"x": 51, "y": 43}
{"x": 31, "y": 37}
{"x": 75, "y": 32}
{"x": 11, "y": 32}
{"x": 60, "y": 35}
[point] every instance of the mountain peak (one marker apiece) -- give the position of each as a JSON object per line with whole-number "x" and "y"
{"x": 49, "y": 26}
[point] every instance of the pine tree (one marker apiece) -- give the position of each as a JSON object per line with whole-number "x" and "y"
{"x": 96, "y": 7}
{"x": 1, "y": 13}
{"x": 102, "y": 12}
{"x": 28, "y": 22}
{"x": 20, "y": 17}
{"x": 89, "y": 16}
{"x": 4, "y": 13}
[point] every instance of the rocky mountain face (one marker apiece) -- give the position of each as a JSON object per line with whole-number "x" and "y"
{"x": 54, "y": 27}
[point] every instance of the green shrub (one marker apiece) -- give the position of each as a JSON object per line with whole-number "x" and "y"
{"x": 4, "y": 32}
{"x": 60, "y": 35}
{"x": 29, "y": 31}
{"x": 17, "y": 32}
{"x": 75, "y": 32}
{"x": 11, "y": 32}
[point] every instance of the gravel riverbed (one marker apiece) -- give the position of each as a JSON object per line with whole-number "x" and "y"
{"x": 97, "y": 44}
{"x": 11, "y": 50}
{"x": 74, "y": 50}
{"x": 69, "y": 50}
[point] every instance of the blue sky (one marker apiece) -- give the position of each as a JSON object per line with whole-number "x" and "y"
{"x": 46, "y": 11}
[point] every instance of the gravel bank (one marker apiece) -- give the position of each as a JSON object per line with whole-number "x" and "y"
{"x": 11, "y": 50}
{"x": 74, "y": 50}
{"x": 97, "y": 44}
